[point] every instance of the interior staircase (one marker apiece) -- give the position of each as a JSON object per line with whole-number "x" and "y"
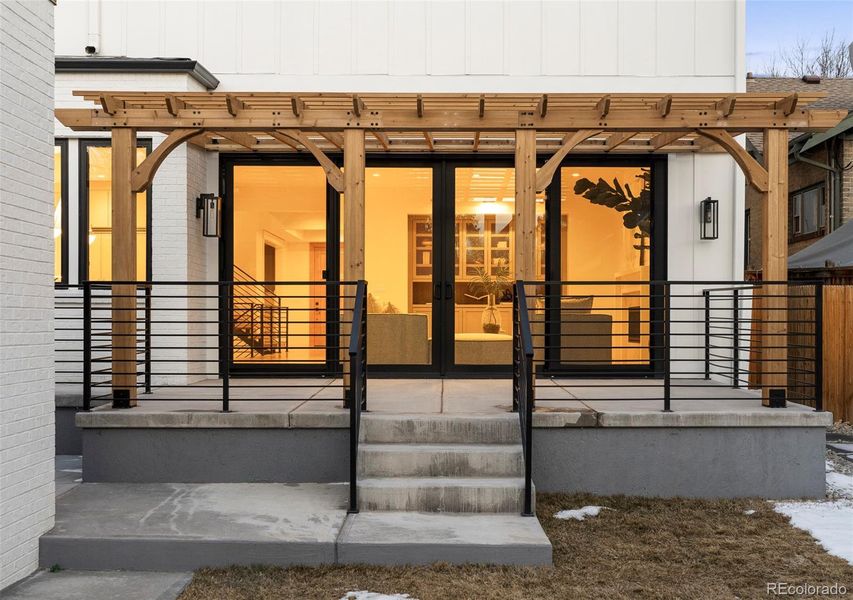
{"x": 441, "y": 464}
{"x": 259, "y": 322}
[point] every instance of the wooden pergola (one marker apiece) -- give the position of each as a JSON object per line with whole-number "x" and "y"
{"x": 528, "y": 125}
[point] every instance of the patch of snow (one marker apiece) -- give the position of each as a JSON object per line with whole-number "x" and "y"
{"x": 581, "y": 513}
{"x": 839, "y": 484}
{"x": 828, "y": 522}
{"x": 365, "y": 595}
{"x": 749, "y": 512}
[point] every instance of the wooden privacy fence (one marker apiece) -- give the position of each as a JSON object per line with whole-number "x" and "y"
{"x": 837, "y": 321}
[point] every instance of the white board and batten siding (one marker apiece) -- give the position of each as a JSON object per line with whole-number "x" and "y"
{"x": 471, "y": 46}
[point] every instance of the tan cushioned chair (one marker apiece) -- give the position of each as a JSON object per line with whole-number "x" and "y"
{"x": 398, "y": 339}
{"x": 591, "y": 340}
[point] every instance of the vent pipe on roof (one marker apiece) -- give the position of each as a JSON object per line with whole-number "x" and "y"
{"x": 811, "y": 78}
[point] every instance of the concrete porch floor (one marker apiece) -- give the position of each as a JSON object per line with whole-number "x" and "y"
{"x": 560, "y": 403}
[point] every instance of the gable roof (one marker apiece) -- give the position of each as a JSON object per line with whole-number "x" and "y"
{"x": 839, "y": 96}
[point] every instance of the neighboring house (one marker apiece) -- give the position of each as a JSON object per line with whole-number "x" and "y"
{"x": 820, "y": 180}
{"x": 26, "y": 295}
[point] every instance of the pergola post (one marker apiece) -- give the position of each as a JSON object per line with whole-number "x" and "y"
{"x": 774, "y": 241}
{"x": 525, "y": 204}
{"x": 123, "y": 268}
{"x": 353, "y": 225}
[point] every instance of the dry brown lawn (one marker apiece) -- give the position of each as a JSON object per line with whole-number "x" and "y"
{"x": 644, "y": 548}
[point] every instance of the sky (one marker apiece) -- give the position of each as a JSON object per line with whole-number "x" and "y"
{"x": 771, "y": 24}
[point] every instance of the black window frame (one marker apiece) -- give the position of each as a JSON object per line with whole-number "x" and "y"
{"x": 83, "y": 209}
{"x": 62, "y": 144}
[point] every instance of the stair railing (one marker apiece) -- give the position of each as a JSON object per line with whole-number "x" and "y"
{"x": 357, "y": 393}
{"x": 523, "y": 386}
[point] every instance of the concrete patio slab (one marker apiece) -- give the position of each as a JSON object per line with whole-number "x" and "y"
{"x": 399, "y": 538}
{"x": 99, "y": 585}
{"x": 180, "y": 527}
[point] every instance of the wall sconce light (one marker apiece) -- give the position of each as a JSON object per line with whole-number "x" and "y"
{"x": 709, "y": 219}
{"x": 208, "y": 207}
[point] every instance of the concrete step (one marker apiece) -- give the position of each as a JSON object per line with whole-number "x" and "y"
{"x": 440, "y": 429}
{"x": 184, "y": 527}
{"x": 442, "y": 494}
{"x": 440, "y": 460}
{"x": 399, "y": 538}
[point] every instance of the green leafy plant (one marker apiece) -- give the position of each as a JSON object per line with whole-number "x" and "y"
{"x": 637, "y": 207}
{"x": 492, "y": 286}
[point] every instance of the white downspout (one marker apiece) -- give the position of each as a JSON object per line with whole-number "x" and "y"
{"x": 94, "y": 34}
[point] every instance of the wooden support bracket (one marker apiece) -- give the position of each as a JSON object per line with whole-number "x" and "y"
{"x": 383, "y": 139}
{"x": 664, "y": 105}
{"x": 545, "y": 174}
{"x": 420, "y": 104}
{"x": 238, "y": 137}
{"x": 233, "y": 104}
{"x": 617, "y": 138}
{"x": 333, "y": 173}
{"x": 429, "y": 142}
{"x": 603, "y": 107}
{"x": 755, "y": 173}
{"x": 788, "y": 104}
{"x": 358, "y": 106}
{"x": 110, "y": 105}
{"x": 664, "y": 139}
{"x": 143, "y": 174}
{"x": 173, "y": 105}
{"x": 726, "y": 106}
{"x": 297, "y": 106}
{"x": 542, "y": 108}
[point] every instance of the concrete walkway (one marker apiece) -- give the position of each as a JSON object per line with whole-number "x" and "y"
{"x": 183, "y": 527}
{"x": 98, "y": 585}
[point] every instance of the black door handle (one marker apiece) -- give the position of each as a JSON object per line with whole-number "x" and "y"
{"x": 448, "y": 291}
{"x": 436, "y": 295}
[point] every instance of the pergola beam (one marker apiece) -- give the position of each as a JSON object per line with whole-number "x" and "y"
{"x": 556, "y": 119}
{"x": 788, "y": 104}
{"x": 755, "y": 174}
{"x": 333, "y": 173}
{"x": 144, "y": 173}
{"x": 546, "y": 172}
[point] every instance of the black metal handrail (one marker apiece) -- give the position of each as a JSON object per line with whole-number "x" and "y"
{"x": 678, "y": 335}
{"x": 523, "y": 386}
{"x": 357, "y": 393}
{"x": 181, "y": 334}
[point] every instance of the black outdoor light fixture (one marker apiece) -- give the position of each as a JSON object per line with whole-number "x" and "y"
{"x": 709, "y": 219}
{"x": 209, "y": 208}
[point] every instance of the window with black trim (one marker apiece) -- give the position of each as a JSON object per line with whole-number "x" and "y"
{"x": 60, "y": 211}
{"x": 808, "y": 211}
{"x": 96, "y": 213}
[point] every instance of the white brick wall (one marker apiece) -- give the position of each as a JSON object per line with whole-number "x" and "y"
{"x": 26, "y": 283}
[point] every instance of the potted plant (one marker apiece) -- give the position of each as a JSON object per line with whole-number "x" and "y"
{"x": 492, "y": 286}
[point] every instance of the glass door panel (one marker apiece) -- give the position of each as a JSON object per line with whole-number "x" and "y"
{"x": 279, "y": 235}
{"x": 400, "y": 254}
{"x": 484, "y": 244}
{"x": 605, "y": 233}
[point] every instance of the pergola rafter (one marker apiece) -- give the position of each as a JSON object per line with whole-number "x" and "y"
{"x": 529, "y": 126}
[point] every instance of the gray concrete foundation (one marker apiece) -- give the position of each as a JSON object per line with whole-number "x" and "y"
{"x": 215, "y": 455}
{"x": 69, "y": 438}
{"x": 698, "y": 462}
